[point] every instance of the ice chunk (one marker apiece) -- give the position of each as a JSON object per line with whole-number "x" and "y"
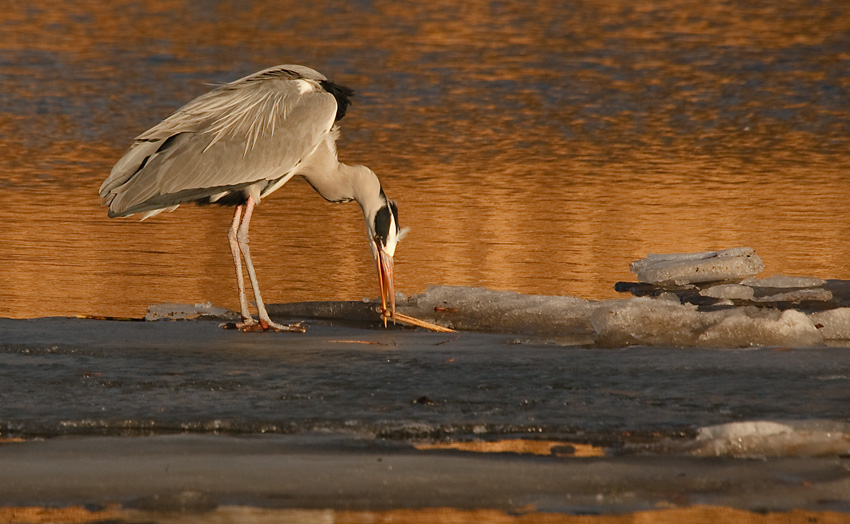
{"x": 660, "y": 321}
{"x": 772, "y": 439}
{"x": 187, "y": 311}
{"x": 798, "y": 295}
{"x": 833, "y": 324}
{"x": 691, "y": 268}
{"x": 481, "y": 309}
{"x": 653, "y": 322}
{"x": 751, "y": 326}
{"x": 729, "y": 292}
{"x": 779, "y": 281}
{"x": 647, "y": 321}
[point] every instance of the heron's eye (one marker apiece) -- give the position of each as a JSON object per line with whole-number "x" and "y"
{"x": 383, "y": 221}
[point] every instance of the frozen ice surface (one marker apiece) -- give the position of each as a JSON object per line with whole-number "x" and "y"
{"x": 703, "y": 299}
{"x": 662, "y": 322}
{"x": 798, "y": 295}
{"x": 779, "y": 281}
{"x": 774, "y": 439}
{"x": 691, "y": 268}
{"x": 647, "y": 321}
{"x": 833, "y": 324}
{"x": 750, "y": 326}
{"x": 479, "y": 309}
{"x": 729, "y": 292}
{"x": 187, "y": 311}
{"x": 706, "y": 299}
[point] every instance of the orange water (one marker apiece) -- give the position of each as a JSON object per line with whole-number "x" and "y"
{"x": 537, "y": 148}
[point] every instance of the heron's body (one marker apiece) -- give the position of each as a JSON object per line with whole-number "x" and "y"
{"x": 240, "y": 142}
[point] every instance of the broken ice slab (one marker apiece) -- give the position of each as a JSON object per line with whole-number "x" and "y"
{"x": 779, "y": 288}
{"x": 833, "y": 324}
{"x": 797, "y": 296}
{"x": 564, "y": 318}
{"x": 480, "y": 309}
{"x": 188, "y": 312}
{"x": 728, "y": 292}
{"x": 765, "y": 438}
{"x": 692, "y": 268}
{"x": 782, "y": 282}
{"x": 665, "y": 322}
{"x": 761, "y": 294}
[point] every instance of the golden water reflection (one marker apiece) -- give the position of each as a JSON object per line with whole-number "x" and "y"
{"x": 536, "y": 148}
{"x": 665, "y": 513}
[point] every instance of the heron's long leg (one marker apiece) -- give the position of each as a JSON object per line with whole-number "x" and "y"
{"x": 242, "y": 239}
{"x": 247, "y": 319}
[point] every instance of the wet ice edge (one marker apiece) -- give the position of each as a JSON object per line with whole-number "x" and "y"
{"x": 707, "y": 300}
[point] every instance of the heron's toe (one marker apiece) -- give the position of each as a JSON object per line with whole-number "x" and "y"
{"x": 242, "y": 326}
{"x": 252, "y": 326}
{"x": 297, "y": 327}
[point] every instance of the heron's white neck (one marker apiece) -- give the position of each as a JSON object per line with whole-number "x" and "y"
{"x": 366, "y": 189}
{"x": 338, "y": 182}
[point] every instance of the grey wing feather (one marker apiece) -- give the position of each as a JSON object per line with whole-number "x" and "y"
{"x": 255, "y": 129}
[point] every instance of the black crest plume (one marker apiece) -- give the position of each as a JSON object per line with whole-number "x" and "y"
{"x": 342, "y": 95}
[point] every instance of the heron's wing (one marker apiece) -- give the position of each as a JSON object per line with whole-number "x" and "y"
{"x": 254, "y": 129}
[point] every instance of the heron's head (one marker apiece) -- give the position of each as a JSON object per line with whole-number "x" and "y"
{"x": 384, "y": 235}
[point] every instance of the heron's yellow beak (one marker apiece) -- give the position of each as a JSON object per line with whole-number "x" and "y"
{"x": 385, "y": 280}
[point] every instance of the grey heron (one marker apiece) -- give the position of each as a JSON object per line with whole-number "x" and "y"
{"x": 240, "y": 142}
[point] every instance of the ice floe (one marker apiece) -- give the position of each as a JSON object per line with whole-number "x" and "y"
{"x": 729, "y": 292}
{"x": 664, "y": 322}
{"x": 780, "y": 281}
{"x": 797, "y": 295}
{"x": 691, "y": 268}
{"x": 833, "y": 324}
{"x": 478, "y": 309}
{"x": 709, "y": 299}
{"x": 758, "y": 439}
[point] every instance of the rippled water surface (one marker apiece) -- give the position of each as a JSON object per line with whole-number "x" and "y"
{"x": 532, "y": 147}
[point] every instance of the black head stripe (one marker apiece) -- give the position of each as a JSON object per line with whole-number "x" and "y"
{"x": 382, "y": 224}
{"x": 394, "y": 209}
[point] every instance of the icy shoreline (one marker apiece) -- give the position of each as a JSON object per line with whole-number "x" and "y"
{"x": 706, "y": 300}
{"x": 662, "y": 320}
{"x": 663, "y": 317}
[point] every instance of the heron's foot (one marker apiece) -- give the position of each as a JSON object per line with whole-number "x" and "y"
{"x": 250, "y": 328}
{"x": 247, "y": 324}
{"x": 297, "y": 327}
{"x": 251, "y": 325}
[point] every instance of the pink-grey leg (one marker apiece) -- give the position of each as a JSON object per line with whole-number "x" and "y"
{"x": 243, "y": 219}
{"x": 247, "y": 319}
